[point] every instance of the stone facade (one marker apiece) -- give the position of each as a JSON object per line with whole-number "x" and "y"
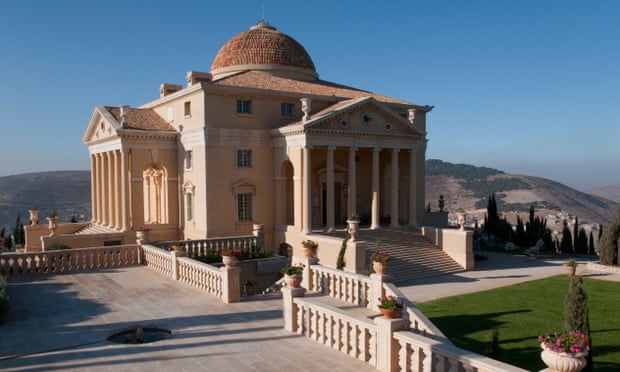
{"x": 259, "y": 139}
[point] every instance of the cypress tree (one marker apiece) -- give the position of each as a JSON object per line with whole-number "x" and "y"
{"x": 576, "y": 234}
{"x": 582, "y": 242}
{"x": 567, "y": 240}
{"x": 591, "y": 248}
{"x": 576, "y": 312}
{"x": 608, "y": 244}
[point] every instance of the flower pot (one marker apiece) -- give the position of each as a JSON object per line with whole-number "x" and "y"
{"x": 178, "y": 247}
{"x": 308, "y": 252}
{"x": 563, "y": 362}
{"x": 381, "y": 268}
{"x": 249, "y": 290}
{"x": 571, "y": 270}
{"x": 293, "y": 281}
{"x": 229, "y": 261}
{"x": 34, "y": 216}
{"x": 391, "y": 314}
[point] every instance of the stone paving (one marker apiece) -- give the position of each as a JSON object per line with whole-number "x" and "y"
{"x": 61, "y": 322}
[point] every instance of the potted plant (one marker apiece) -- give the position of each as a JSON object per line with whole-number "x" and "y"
{"x": 293, "y": 275}
{"x": 565, "y": 351}
{"x": 249, "y": 287}
{"x": 380, "y": 262}
{"x": 571, "y": 266}
{"x": 390, "y": 307}
{"x": 310, "y": 247}
{"x": 354, "y": 226}
{"x": 177, "y": 246}
{"x": 230, "y": 256}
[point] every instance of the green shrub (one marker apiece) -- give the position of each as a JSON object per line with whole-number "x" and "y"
{"x": 4, "y": 296}
{"x": 57, "y": 246}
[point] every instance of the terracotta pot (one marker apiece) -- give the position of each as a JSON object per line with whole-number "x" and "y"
{"x": 563, "y": 362}
{"x": 229, "y": 261}
{"x": 380, "y": 268}
{"x": 308, "y": 252}
{"x": 571, "y": 270}
{"x": 293, "y": 281}
{"x": 390, "y": 314}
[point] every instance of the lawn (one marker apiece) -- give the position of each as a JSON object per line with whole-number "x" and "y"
{"x": 522, "y": 312}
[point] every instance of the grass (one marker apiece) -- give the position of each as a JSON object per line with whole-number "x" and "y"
{"x": 522, "y": 312}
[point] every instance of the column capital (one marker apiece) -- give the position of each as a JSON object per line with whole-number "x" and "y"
{"x": 331, "y": 147}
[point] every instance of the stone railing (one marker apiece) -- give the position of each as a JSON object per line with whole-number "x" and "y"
{"x": 224, "y": 282}
{"x": 455, "y": 243}
{"x": 204, "y": 246}
{"x": 417, "y": 353}
{"x": 410, "y": 343}
{"x": 67, "y": 260}
{"x": 351, "y": 288}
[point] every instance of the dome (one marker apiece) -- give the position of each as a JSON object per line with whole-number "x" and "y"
{"x": 264, "y": 48}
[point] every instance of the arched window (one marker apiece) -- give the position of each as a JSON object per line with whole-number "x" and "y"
{"x": 155, "y": 191}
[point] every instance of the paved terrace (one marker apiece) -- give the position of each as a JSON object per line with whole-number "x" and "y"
{"x": 61, "y": 322}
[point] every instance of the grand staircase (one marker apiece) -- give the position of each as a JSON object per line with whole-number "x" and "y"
{"x": 94, "y": 229}
{"x": 413, "y": 256}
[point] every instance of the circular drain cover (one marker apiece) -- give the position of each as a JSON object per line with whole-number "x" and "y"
{"x": 139, "y": 335}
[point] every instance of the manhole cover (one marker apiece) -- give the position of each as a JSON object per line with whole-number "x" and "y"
{"x": 140, "y": 335}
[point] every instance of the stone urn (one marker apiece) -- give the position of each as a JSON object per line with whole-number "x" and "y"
{"x": 563, "y": 362}
{"x": 229, "y": 261}
{"x": 293, "y": 281}
{"x": 52, "y": 223}
{"x": 354, "y": 227}
{"x": 142, "y": 236}
{"x": 34, "y": 216}
{"x": 460, "y": 220}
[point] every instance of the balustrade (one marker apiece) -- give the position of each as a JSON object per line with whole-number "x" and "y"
{"x": 69, "y": 260}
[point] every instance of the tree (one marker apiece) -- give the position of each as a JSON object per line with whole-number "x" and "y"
{"x": 567, "y": 240}
{"x": 520, "y": 234}
{"x": 576, "y": 313}
{"x": 18, "y": 231}
{"x": 581, "y": 243}
{"x": 608, "y": 244}
{"x": 591, "y": 247}
{"x": 491, "y": 222}
{"x": 575, "y": 234}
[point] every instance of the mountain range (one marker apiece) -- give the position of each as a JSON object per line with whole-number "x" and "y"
{"x": 464, "y": 187}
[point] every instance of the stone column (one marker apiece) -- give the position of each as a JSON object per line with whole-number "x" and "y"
{"x": 394, "y": 190}
{"x": 307, "y": 194}
{"x": 306, "y": 280}
{"x": 330, "y": 205}
{"x": 124, "y": 186}
{"x": 352, "y": 208}
{"x": 117, "y": 204}
{"x": 279, "y": 197}
{"x": 374, "y": 223}
{"x": 107, "y": 216}
{"x": 93, "y": 188}
{"x": 99, "y": 188}
{"x": 412, "y": 188}
{"x": 258, "y": 230}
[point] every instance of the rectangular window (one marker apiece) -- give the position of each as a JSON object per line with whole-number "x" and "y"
{"x": 286, "y": 109}
{"x": 244, "y": 158}
{"x": 244, "y": 106}
{"x": 245, "y": 207}
{"x": 187, "y": 108}
{"x": 188, "y": 159}
{"x": 189, "y": 206}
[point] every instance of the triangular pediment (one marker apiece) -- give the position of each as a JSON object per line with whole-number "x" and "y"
{"x": 361, "y": 116}
{"x": 102, "y": 125}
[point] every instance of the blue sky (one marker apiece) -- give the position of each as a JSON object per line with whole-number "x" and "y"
{"x": 529, "y": 87}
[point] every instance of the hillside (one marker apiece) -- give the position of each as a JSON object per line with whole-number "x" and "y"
{"x": 608, "y": 192}
{"x": 463, "y": 186}
{"x": 468, "y": 187}
{"x": 66, "y": 192}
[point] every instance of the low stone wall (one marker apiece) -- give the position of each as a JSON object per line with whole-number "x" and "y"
{"x": 458, "y": 244}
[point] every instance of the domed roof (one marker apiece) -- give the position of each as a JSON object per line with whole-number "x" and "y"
{"x": 264, "y": 48}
